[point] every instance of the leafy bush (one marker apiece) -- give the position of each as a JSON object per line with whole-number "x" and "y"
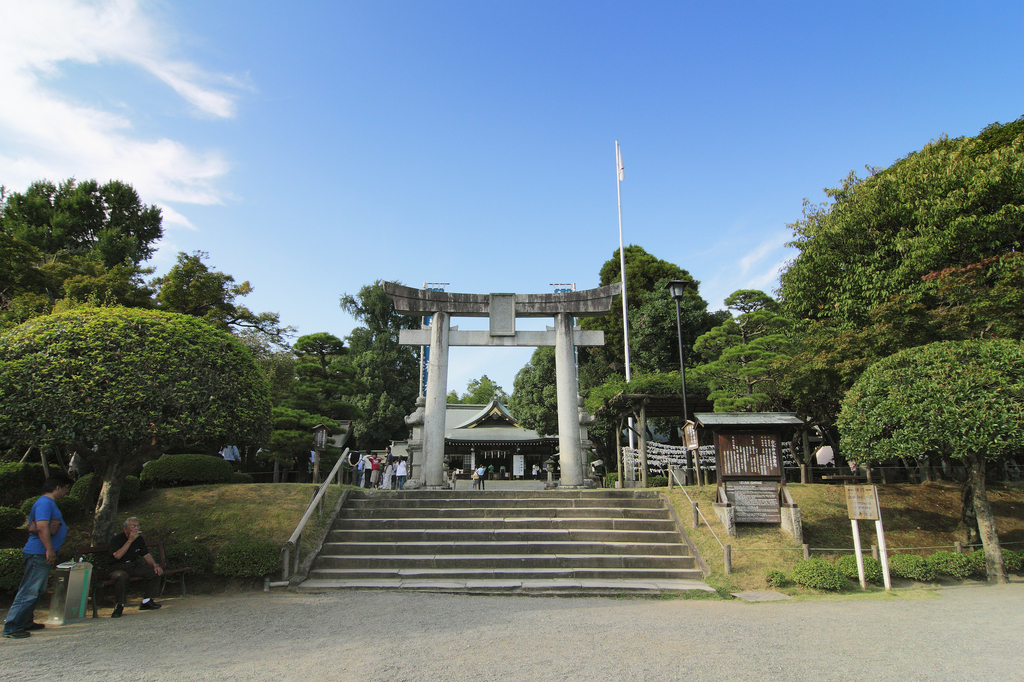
{"x": 847, "y": 565}
{"x": 657, "y": 481}
{"x": 171, "y": 471}
{"x": 248, "y": 559}
{"x": 950, "y": 563}
{"x": 911, "y": 567}
{"x": 71, "y": 508}
{"x": 1013, "y": 561}
{"x": 129, "y": 491}
{"x": 193, "y": 555}
{"x": 976, "y": 560}
{"x": 20, "y": 480}
{"x": 239, "y": 477}
{"x": 10, "y": 518}
{"x": 609, "y": 480}
{"x": 11, "y": 569}
{"x": 819, "y": 574}
{"x": 776, "y": 578}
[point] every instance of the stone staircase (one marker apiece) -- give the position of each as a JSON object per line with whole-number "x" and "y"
{"x": 538, "y": 542}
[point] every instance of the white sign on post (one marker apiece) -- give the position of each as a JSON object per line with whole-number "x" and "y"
{"x": 862, "y": 503}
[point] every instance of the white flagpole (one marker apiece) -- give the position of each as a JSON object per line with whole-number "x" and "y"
{"x": 620, "y": 175}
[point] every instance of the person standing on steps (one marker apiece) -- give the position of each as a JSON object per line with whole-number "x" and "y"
{"x": 481, "y": 474}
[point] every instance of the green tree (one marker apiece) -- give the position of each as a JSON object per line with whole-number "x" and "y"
{"x": 130, "y": 383}
{"x": 963, "y": 399}
{"x": 744, "y": 354}
{"x": 534, "y": 401}
{"x": 479, "y": 392}
{"x": 389, "y": 371}
{"x": 191, "y": 288}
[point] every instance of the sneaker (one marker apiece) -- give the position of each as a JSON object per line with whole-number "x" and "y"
{"x": 149, "y": 606}
{"x": 17, "y": 634}
{"x": 34, "y": 626}
{"x": 116, "y": 613}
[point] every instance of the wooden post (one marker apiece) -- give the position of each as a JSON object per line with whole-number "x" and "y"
{"x": 696, "y": 516}
{"x": 958, "y": 548}
{"x": 643, "y": 447}
{"x": 618, "y": 454}
{"x": 874, "y": 552}
{"x": 807, "y": 551}
{"x": 728, "y": 559}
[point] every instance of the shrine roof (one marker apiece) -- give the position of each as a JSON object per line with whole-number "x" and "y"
{"x": 748, "y": 419}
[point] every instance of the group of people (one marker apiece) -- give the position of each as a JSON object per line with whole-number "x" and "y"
{"x": 46, "y": 533}
{"x": 386, "y": 472}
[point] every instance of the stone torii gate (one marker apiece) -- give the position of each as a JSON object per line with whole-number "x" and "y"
{"x": 502, "y": 311}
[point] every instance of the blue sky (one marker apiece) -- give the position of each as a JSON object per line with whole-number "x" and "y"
{"x": 314, "y": 147}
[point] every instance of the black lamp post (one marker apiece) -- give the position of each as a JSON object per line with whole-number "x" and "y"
{"x": 677, "y": 289}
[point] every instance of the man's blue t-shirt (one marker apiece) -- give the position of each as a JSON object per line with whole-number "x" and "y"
{"x": 43, "y": 511}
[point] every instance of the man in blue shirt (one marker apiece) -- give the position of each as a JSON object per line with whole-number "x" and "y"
{"x": 47, "y": 531}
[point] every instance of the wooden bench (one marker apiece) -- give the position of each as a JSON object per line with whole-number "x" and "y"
{"x": 101, "y": 577}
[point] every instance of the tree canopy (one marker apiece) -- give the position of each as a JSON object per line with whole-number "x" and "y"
{"x": 534, "y": 401}
{"x": 479, "y": 392}
{"x": 131, "y": 384}
{"x": 962, "y": 399}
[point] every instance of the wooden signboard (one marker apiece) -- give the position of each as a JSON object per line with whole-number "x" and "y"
{"x": 754, "y": 501}
{"x": 748, "y": 455}
{"x": 862, "y": 502}
{"x": 690, "y": 436}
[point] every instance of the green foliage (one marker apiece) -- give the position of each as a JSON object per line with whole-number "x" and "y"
{"x": 847, "y": 565}
{"x": 776, "y": 578}
{"x": 916, "y": 402}
{"x": 21, "y": 480}
{"x": 976, "y": 561}
{"x": 534, "y": 401}
{"x": 129, "y": 490}
{"x": 171, "y": 471}
{"x": 240, "y": 477}
{"x": 71, "y": 508}
{"x": 248, "y": 559}
{"x": 819, "y": 574}
{"x": 657, "y": 481}
{"x": 744, "y": 355}
{"x": 911, "y": 567}
{"x": 10, "y": 519}
{"x": 12, "y": 570}
{"x": 193, "y": 555}
{"x": 950, "y": 564}
{"x": 610, "y": 479}
{"x": 479, "y": 392}
{"x": 1013, "y": 561}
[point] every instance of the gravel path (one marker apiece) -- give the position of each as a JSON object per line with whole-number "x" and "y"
{"x": 971, "y": 632}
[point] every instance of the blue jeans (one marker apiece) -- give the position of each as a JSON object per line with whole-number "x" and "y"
{"x": 33, "y": 586}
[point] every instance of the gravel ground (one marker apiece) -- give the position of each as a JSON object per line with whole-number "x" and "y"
{"x": 963, "y": 633}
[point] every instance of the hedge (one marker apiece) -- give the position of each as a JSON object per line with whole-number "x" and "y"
{"x": 248, "y": 559}
{"x": 171, "y": 471}
{"x": 71, "y": 508}
{"x": 129, "y": 491}
{"x": 847, "y": 565}
{"x": 11, "y": 569}
{"x": 10, "y": 519}
{"x": 911, "y": 567}
{"x": 21, "y": 480}
{"x": 819, "y": 574}
{"x": 776, "y": 578}
{"x": 951, "y": 564}
{"x": 193, "y": 555}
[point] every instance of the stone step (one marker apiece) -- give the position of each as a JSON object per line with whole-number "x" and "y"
{"x": 502, "y": 535}
{"x": 399, "y": 512}
{"x": 513, "y": 523}
{"x": 504, "y": 561}
{"x": 506, "y": 574}
{"x": 533, "y": 587}
{"x": 606, "y": 493}
{"x": 473, "y": 502}
{"x": 333, "y": 549}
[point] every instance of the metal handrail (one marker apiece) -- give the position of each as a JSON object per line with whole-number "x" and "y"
{"x": 297, "y": 535}
{"x": 696, "y": 507}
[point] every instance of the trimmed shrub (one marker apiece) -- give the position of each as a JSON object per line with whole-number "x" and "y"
{"x": 129, "y": 491}
{"x": 248, "y": 559}
{"x": 11, "y": 569}
{"x": 610, "y": 479}
{"x": 976, "y": 560}
{"x": 239, "y": 477}
{"x": 950, "y": 563}
{"x": 819, "y": 574}
{"x": 71, "y": 508}
{"x": 776, "y": 578}
{"x": 1013, "y": 561}
{"x": 171, "y": 471}
{"x": 911, "y": 567}
{"x": 21, "y": 480}
{"x": 847, "y": 565}
{"x": 193, "y": 555}
{"x": 10, "y": 519}
{"x": 657, "y": 481}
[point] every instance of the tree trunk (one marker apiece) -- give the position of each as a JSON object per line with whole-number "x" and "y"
{"x": 106, "y": 510}
{"x": 994, "y": 568}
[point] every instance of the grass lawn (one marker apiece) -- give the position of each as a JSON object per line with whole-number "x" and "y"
{"x": 914, "y": 516}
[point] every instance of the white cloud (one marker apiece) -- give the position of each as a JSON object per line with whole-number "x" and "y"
{"x": 45, "y": 133}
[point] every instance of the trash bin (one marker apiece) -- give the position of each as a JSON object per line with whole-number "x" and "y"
{"x": 70, "y": 592}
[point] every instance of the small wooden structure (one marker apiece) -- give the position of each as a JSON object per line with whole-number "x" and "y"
{"x": 748, "y": 456}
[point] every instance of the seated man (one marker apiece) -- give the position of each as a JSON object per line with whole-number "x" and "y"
{"x": 132, "y": 558}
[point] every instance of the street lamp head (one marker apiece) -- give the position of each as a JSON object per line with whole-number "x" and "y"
{"x": 676, "y": 288}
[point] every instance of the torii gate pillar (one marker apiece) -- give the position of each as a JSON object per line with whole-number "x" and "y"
{"x": 502, "y": 309}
